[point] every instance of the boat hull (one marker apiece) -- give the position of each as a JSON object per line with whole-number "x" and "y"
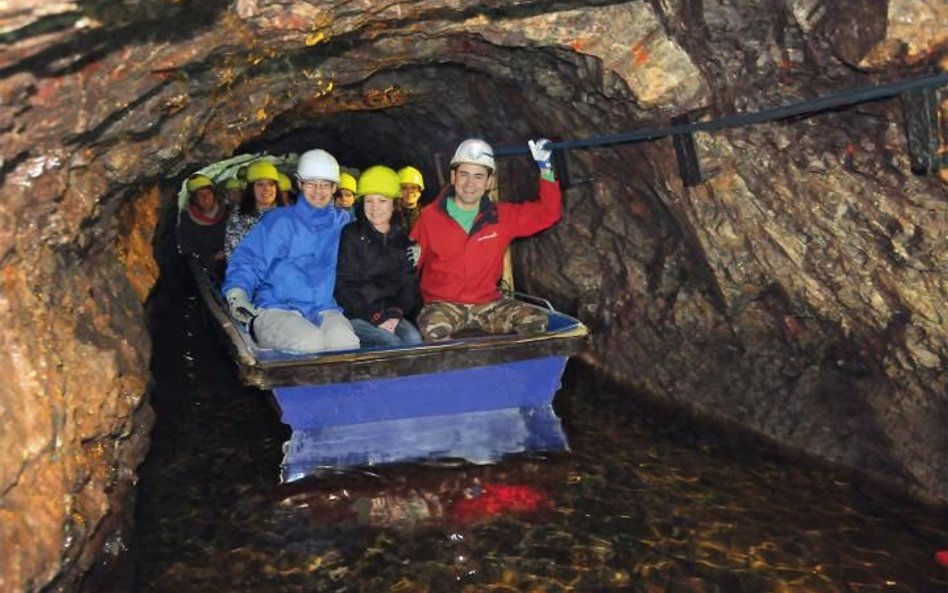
{"x": 519, "y": 384}
{"x": 478, "y": 414}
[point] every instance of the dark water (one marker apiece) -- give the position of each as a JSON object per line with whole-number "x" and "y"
{"x": 646, "y": 502}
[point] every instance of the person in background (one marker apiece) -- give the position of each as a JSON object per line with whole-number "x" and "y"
{"x": 375, "y": 281}
{"x": 346, "y": 194}
{"x": 281, "y": 277}
{"x": 233, "y": 190}
{"x": 286, "y": 196}
{"x": 201, "y": 227}
{"x": 258, "y": 197}
{"x": 412, "y": 184}
{"x": 462, "y": 237}
{"x": 242, "y": 174}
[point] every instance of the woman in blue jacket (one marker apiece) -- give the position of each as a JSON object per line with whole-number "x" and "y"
{"x": 375, "y": 282}
{"x": 281, "y": 277}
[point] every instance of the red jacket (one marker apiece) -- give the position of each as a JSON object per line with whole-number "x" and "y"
{"x": 458, "y": 267}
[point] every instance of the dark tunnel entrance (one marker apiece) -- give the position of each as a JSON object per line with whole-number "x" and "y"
{"x": 418, "y": 115}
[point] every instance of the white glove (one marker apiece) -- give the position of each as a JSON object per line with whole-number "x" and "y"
{"x": 240, "y": 306}
{"x": 541, "y": 154}
{"x": 413, "y": 252}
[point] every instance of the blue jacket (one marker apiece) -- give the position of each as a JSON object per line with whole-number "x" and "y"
{"x": 288, "y": 259}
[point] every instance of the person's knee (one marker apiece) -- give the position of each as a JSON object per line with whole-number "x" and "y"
{"x": 530, "y": 326}
{"x": 338, "y": 332}
{"x": 437, "y": 321}
{"x": 407, "y": 333}
{"x": 435, "y": 331}
{"x": 286, "y": 330}
{"x": 509, "y": 315}
{"x": 386, "y": 339}
{"x": 308, "y": 342}
{"x": 298, "y": 340}
{"x": 342, "y": 340}
{"x": 529, "y": 321}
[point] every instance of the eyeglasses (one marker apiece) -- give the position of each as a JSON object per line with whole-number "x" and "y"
{"x": 318, "y": 185}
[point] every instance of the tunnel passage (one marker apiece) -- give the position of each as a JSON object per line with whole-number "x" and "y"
{"x": 796, "y": 290}
{"x": 418, "y": 116}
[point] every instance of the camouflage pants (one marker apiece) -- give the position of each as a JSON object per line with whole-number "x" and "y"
{"x": 439, "y": 320}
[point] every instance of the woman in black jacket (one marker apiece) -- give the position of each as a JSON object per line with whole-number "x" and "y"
{"x": 375, "y": 282}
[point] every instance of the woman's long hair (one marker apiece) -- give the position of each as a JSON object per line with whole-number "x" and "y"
{"x": 398, "y": 218}
{"x": 248, "y": 201}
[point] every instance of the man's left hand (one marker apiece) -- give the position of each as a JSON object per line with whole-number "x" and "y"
{"x": 389, "y": 325}
{"x": 541, "y": 154}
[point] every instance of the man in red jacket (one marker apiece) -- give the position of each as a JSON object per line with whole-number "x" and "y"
{"x": 463, "y": 236}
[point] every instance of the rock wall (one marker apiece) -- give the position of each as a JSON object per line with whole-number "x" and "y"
{"x": 74, "y": 358}
{"x": 798, "y": 289}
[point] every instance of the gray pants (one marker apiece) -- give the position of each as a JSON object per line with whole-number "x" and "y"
{"x": 288, "y": 330}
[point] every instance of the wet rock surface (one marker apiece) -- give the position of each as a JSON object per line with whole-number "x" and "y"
{"x": 647, "y": 500}
{"x": 798, "y": 290}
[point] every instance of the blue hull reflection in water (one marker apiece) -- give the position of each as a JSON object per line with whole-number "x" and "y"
{"x": 478, "y": 437}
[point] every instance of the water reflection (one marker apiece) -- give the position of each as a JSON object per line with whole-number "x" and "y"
{"x": 475, "y": 437}
{"x": 645, "y": 501}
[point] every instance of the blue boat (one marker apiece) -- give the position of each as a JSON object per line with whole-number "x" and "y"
{"x": 474, "y": 398}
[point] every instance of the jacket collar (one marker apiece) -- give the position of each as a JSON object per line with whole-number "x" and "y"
{"x": 206, "y": 219}
{"x": 366, "y": 227}
{"x": 312, "y": 213}
{"x": 486, "y": 210}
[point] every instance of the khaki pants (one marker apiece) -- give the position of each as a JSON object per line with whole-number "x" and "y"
{"x": 439, "y": 320}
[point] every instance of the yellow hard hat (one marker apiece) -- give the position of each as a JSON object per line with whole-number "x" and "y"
{"x": 380, "y": 180}
{"x": 262, "y": 170}
{"x": 197, "y": 181}
{"x": 233, "y": 183}
{"x": 284, "y": 182}
{"x": 411, "y": 175}
{"x": 347, "y": 181}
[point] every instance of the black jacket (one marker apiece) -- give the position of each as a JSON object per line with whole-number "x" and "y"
{"x": 203, "y": 240}
{"x": 374, "y": 279}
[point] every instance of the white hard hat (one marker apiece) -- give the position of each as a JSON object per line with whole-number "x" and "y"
{"x": 317, "y": 164}
{"x": 474, "y": 151}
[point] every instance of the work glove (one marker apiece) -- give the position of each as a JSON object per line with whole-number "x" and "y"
{"x": 413, "y": 252}
{"x": 240, "y": 306}
{"x": 541, "y": 154}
